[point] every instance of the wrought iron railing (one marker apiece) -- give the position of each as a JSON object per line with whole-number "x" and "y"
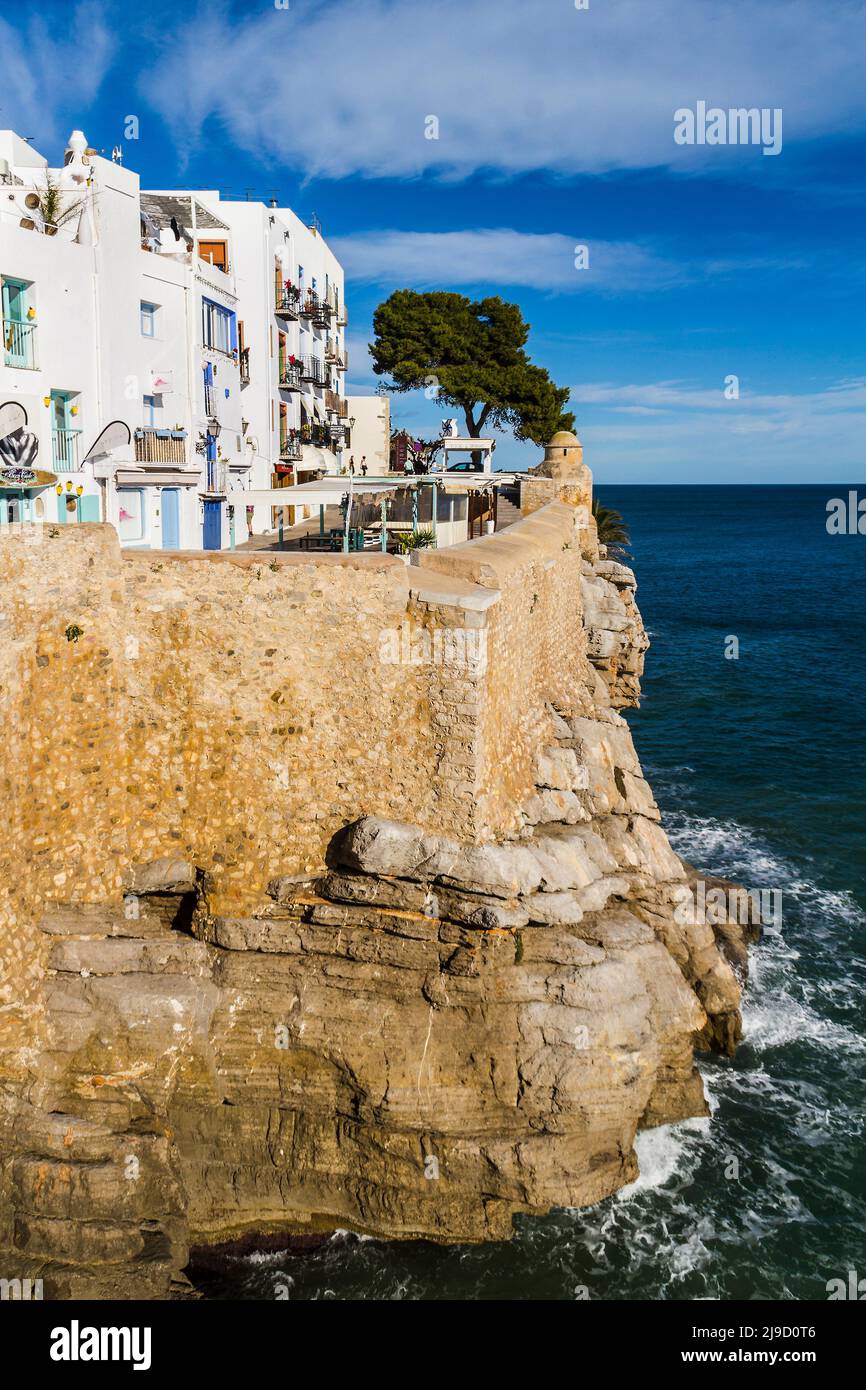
{"x": 288, "y": 302}
{"x": 290, "y": 376}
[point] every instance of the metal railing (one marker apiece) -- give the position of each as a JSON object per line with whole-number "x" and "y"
{"x": 19, "y": 342}
{"x": 64, "y": 450}
{"x": 288, "y": 303}
{"x": 216, "y": 474}
{"x": 316, "y": 434}
{"x": 309, "y": 306}
{"x": 290, "y": 376}
{"x": 159, "y": 446}
{"x": 311, "y": 370}
{"x": 290, "y": 445}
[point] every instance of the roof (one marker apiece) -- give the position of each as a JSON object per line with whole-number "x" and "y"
{"x": 563, "y": 439}
{"x": 187, "y": 211}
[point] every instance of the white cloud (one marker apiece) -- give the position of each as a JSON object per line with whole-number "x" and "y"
{"x": 346, "y": 88}
{"x": 52, "y": 69}
{"x": 842, "y": 397}
{"x": 676, "y": 432}
{"x": 501, "y": 256}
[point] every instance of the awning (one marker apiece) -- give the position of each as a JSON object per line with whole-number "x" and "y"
{"x": 313, "y": 458}
{"x": 14, "y": 479}
{"x": 156, "y": 477}
{"x": 327, "y": 492}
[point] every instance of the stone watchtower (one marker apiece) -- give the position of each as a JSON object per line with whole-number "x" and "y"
{"x": 562, "y": 474}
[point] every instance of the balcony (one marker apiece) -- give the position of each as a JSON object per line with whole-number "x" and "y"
{"x": 290, "y": 376}
{"x": 311, "y": 370}
{"x": 64, "y": 450}
{"x": 342, "y": 316}
{"x": 215, "y": 478}
{"x": 336, "y": 405}
{"x": 322, "y": 313}
{"x": 288, "y": 303}
{"x": 19, "y": 342}
{"x": 160, "y": 446}
{"x": 309, "y": 306}
{"x": 319, "y": 435}
{"x": 244, "y": 363}
{"x": 290, "y": 446}
{"x": 342, "y": 363}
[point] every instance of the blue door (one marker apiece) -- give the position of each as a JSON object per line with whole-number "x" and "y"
{"x": 170, "y": 518}
{"x": 213, "y": 525}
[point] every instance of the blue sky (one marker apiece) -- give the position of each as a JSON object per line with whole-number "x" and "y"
{"x": 555, "y": 130}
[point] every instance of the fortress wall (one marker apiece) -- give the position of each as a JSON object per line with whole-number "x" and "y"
{"x": 236, "y": 710}
{"x": 535, "y": 647}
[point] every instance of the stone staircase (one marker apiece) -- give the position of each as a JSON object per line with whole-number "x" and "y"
{"x": 506, "y": 513}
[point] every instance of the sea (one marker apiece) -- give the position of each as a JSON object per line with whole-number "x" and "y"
{"x": 752, "y": 732}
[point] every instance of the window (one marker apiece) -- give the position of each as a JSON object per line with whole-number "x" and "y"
{"x": 209, "y": 396}
{"x": 218, "y": 327}
{"x": 130, "y": 514}
{"x": 215, "y": 252}
{"x": 148, "y": 319}
{"x": 19, "y": 323}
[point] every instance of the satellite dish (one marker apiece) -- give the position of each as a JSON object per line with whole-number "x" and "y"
{"x": 12, "y": 417}
{"x": 113, "y": 436}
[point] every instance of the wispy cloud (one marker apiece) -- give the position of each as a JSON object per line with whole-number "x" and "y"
{"x": 696, "y": 434}
{"x": 52, "y": 69}
{"x": 542, "y": 261}
{"x": 536, "y": 260}
{"x": 660, "y": 397}
{"x": 347, "y": 88}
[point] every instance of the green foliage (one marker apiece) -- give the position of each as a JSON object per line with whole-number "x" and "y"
{"x": 53, "y": 206}
{"x": 73, "y": 632}
{"x": 612, "y": 530}
{"x": 415, "y": 540}
{"x": 471, "y": 352}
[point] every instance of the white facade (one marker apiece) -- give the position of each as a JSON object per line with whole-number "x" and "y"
{"x": 371, "y": 433}
{"x": 291, "y": 293}
{"x": 158, "y": 311}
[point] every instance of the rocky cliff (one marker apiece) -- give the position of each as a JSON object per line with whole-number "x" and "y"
{"x": 419, "y": 1034}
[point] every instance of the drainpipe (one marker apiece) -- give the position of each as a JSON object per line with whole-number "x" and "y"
{"x": 433, "y": 500}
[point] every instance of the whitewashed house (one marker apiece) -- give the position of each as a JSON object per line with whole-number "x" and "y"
{"x": 292, "y": 342}
{"x": 163, "y": 352}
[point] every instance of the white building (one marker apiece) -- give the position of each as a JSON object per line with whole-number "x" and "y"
{"x": 292, "y": 344}
{"x": 156, "y": 365}
{"x": 371, "y": 433}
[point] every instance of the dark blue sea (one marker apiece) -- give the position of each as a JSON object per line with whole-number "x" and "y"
{"x": 757, "y": 763}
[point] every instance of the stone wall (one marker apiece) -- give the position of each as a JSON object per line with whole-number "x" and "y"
{"x": 333, "y": 896}
{"x": 238, "y": 710}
